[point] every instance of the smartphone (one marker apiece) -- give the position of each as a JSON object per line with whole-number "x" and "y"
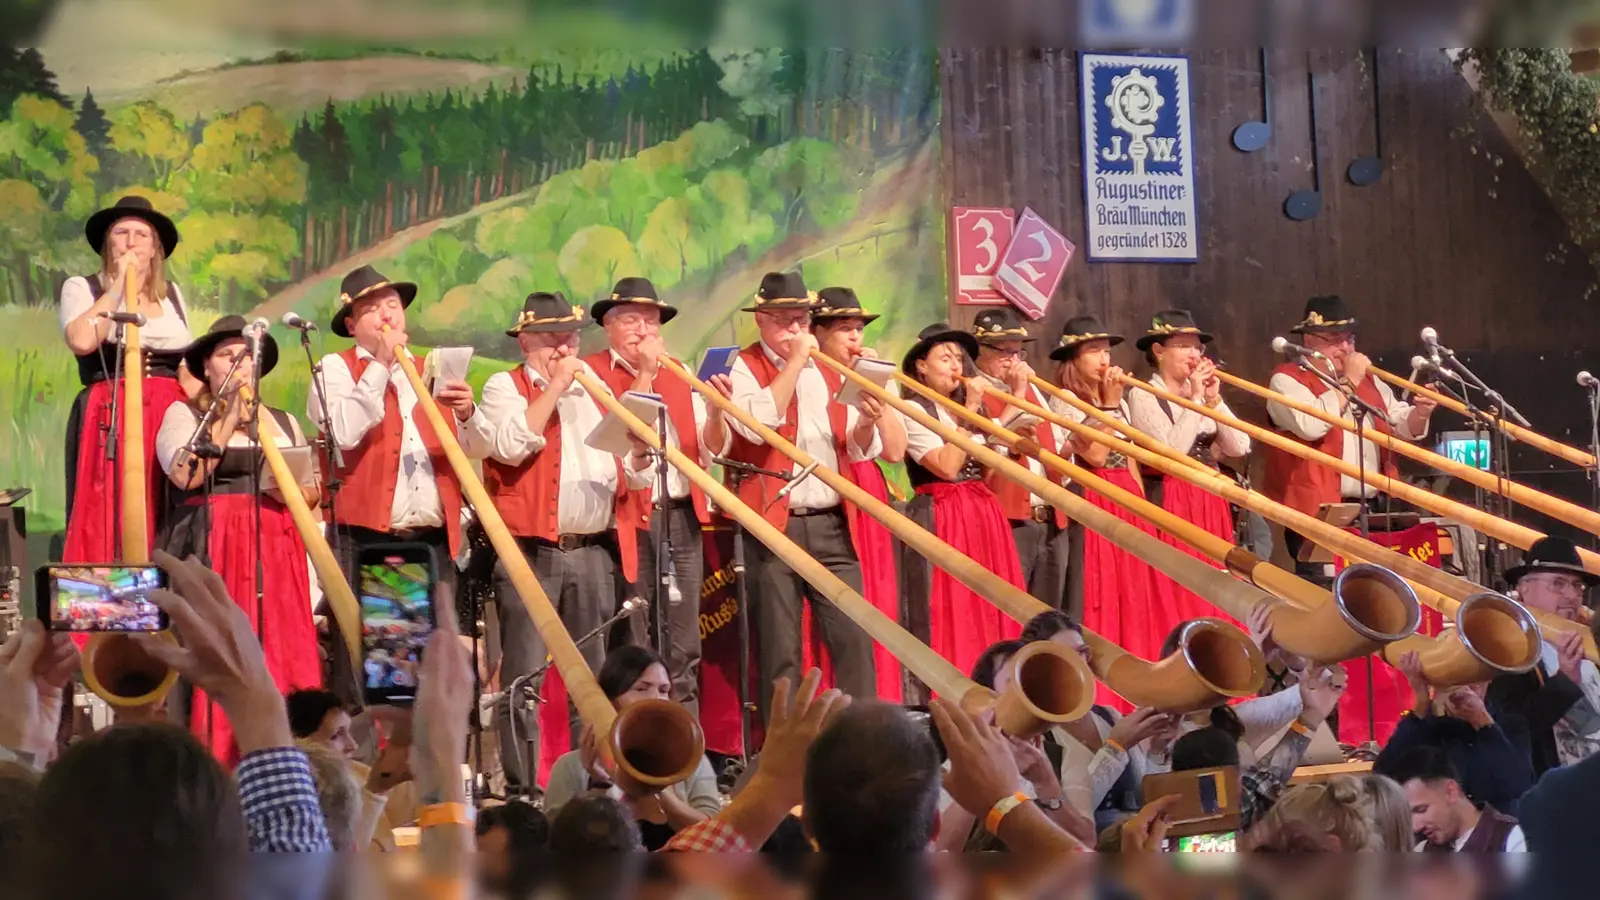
{"x": 1207, "y": 785}
{"x": 99, "y": 598}
{"x": 1219, "y": 842}
{"x": 398, "y": 616}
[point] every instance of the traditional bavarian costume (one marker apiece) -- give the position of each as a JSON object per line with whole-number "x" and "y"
{"x": 1194, "y": 435}
{"x": 1125, "y": 599}
{"x": 813, "y": 515}
{"x": 94, "y": 478}
{"x": 573, "y": 510}
{"x": 1038, "y": 529}
{"x": 217, "y": 523}
{"x": 874, "y": 544}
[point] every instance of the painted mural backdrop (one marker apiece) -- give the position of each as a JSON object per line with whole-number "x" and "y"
{"x": 482, "y": 176}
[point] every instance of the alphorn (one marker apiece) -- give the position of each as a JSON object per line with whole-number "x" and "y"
{"x": 1159, "y": 448}
{"x": 1217, "y": 662}
{"x": 1525, "y": 435}
{"x": 1494, "y": 526}
{"x": 1504, "y": 637}
{"x": 1555, "y": 507}
{"x": 1050, "y": 684}
{"x": 1368, "y": 608}
{"x": 655, "y": 743}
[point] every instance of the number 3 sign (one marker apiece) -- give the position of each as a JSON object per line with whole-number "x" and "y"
{"x": 978, "y": 238}
{"x": 1033, "y": 265}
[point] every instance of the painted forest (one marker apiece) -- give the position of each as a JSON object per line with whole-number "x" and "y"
{"x": 698, "y": 170}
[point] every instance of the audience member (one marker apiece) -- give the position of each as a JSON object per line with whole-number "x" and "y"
{"x": 320, "y": 716}
{"x": 19, "y": 785}
{"x": 1336, "y": 810}
{"x": 1492, "y": 770}
{"x": 631, "y": 674}
{"x": 512, "y": 840}
{"x": 1390, "y": 813}
{"x": 1557, "y": 818}
{"x": 340, "y": 797}
{"x": 594, "y": 824}
{"x": 1441, "y": 813}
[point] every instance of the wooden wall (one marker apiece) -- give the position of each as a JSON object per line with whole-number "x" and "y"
{"x": 1456, "y": 235}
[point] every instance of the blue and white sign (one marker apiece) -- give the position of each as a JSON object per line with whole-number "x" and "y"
{"x": 1138, "y": 159}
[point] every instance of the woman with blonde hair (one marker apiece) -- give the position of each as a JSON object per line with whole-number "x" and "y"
{"x": 1339, "y": 809}
{"x": 1391, "y": 813}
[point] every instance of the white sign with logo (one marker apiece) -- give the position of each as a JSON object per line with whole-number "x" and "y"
{"x": 1138, "y": 165}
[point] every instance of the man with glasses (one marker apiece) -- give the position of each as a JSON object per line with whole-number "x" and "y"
{"x": 1039, "y": 529}
{"x": 1553, "y": 711}
{"x": 778, "y": 383}
{"x": 1329, "y": 328}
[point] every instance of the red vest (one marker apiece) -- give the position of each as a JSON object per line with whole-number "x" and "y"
{"x": 373, "y": 467}
{"x": 527, "y": 495}
{"x": 758, "y": 491}
{"x": 1305, "y": 485}
{"x": 679, "y": 397}
{"x": 1015, "y": 498}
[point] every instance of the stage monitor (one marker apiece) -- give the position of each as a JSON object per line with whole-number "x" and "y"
{"x": 1466, "y": 447}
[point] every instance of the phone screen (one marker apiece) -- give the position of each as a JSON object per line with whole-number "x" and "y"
{"x": 112, "y": 597}
{"x": 1208, "y": 794}
{"x": 397, "y": 617}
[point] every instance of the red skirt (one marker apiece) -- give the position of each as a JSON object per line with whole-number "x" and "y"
{"x": 875, "y": 548}
{"x": 94, "y": 512}
{"x": 1125, "y": 599}
{"x": 288, "y": 637}
{"x": 1207, "y": 510}
{"x": 961, "y": 623}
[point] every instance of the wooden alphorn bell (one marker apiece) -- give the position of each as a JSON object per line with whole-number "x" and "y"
{"x": 1368, "y": 608}
{"x": 1216, "y": 661}
{"x": 654, "y": 743}
{"x": 1525, "y": 435}
{"x": 1050, "y": 685}
{"x": 1555, "y": 507}
{"x": 1498, "y": 633}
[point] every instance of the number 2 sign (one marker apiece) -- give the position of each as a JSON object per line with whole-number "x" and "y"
{"x": 978, "y": 238}
{"x": 1033, "y": 265}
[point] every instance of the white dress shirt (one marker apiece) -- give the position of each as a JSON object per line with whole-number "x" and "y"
{"x": 1185, "y": 426}
{"x": 677, "y": 482}
{"x": 357, "y": 406}
{"x": 1310, "y": 428}
{"x": 813, "y": 433}
{"x": 586, "y": 502}
{"x": 168, "y": 332}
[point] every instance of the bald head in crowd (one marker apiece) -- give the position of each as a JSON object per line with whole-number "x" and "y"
{"x": 872, "y": 782}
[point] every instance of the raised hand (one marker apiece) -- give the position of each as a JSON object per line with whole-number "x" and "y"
{"x": 1569, "y": 654}
{"x": 1111, "y": 387}
{"x": 1137, "y": 726}
{"x": 1018, "y": 375}
{"x": 562, "y": 372}
{"x": 983, "y": 770}
{"x": 1320, "y": 690}
{"x": 1356, "y": 367}
{"x": 35, "y": 667}
{"x": 457, "y": 395}
{"x": 800, "y": 347}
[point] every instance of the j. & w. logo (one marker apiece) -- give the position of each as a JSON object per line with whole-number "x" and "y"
{"x": 1138, "y": 123}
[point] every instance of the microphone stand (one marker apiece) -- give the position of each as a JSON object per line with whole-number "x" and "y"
{"x": 1495, "y": 416}
{"x": 535, "y": 680}
{"x": 735, "y": 472}
{"x": 329, "y": 441}
{"x": 111, "y": 428}
{"x": 257, "y": 462}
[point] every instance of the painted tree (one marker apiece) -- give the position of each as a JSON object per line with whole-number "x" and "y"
{"x": 93, "y": 125}
{"x": 669, "y": 247}
{"x": 40, "y": 148}
{"x": 593, "y": 260}
{"x": 148, "y": 145}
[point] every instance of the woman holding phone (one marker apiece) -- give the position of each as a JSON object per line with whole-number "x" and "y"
{"x": 215, "y": 516}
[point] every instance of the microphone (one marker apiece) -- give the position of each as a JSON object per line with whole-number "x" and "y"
{"x": 292, "y": 320}
{"x": 794, "y": 482}
{"x": 1430, "y": 339}
{"x": 1588, "y": 381}
{"x": 255, "y": 331}
{"x": 1292, "y": 350}
{"x": 125, "y": 318}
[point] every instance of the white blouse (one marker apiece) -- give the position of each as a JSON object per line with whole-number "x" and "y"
{"x": 165, "y": 332}
{"x": 1183, "y": 427}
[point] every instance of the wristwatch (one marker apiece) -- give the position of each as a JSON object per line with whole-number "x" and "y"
{"x": 1049, "y": 805}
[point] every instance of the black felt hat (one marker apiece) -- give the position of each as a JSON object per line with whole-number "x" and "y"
{"x": 544, "y": 311}
{"x": 782, "y": 290}
{"x": 360, "y": 283}
{"x": 224, "y": 329}
{"x": 840, "y": 303}
{"x": 135, "y": 207}
{"x": 993, "y": 326}
{"x": 632, "y": 289}
{"x": 1081, "y": 330}
{"x": 1551, "y": 554}
{"x": 1327, "y": 313}
{"x": 932, "y": 336}
{"x": 1171, "y": 322}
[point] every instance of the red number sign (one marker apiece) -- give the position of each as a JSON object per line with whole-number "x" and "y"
{"x": 978, "y": 239}
{"x": 1033, "y": 265}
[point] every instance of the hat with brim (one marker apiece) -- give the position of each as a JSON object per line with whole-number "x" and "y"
{"x": 780, "y": 291}
{"x": 632, "y": 290}
{"x": 364, "y": 282}
{"x": 1081, "y": 330}
{"x": 1551, "y": 554}
{"x": 227, "y": 328}
{"x": 839, "y": 303}
{"x": 999, "y": 325}
{"x": 1326, "y": 314}
{"x": 130, "y": 207}
{"x": 932, "y": 336}
{"x": 546, "y": 312}
{"x": 1170, "y": 323}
